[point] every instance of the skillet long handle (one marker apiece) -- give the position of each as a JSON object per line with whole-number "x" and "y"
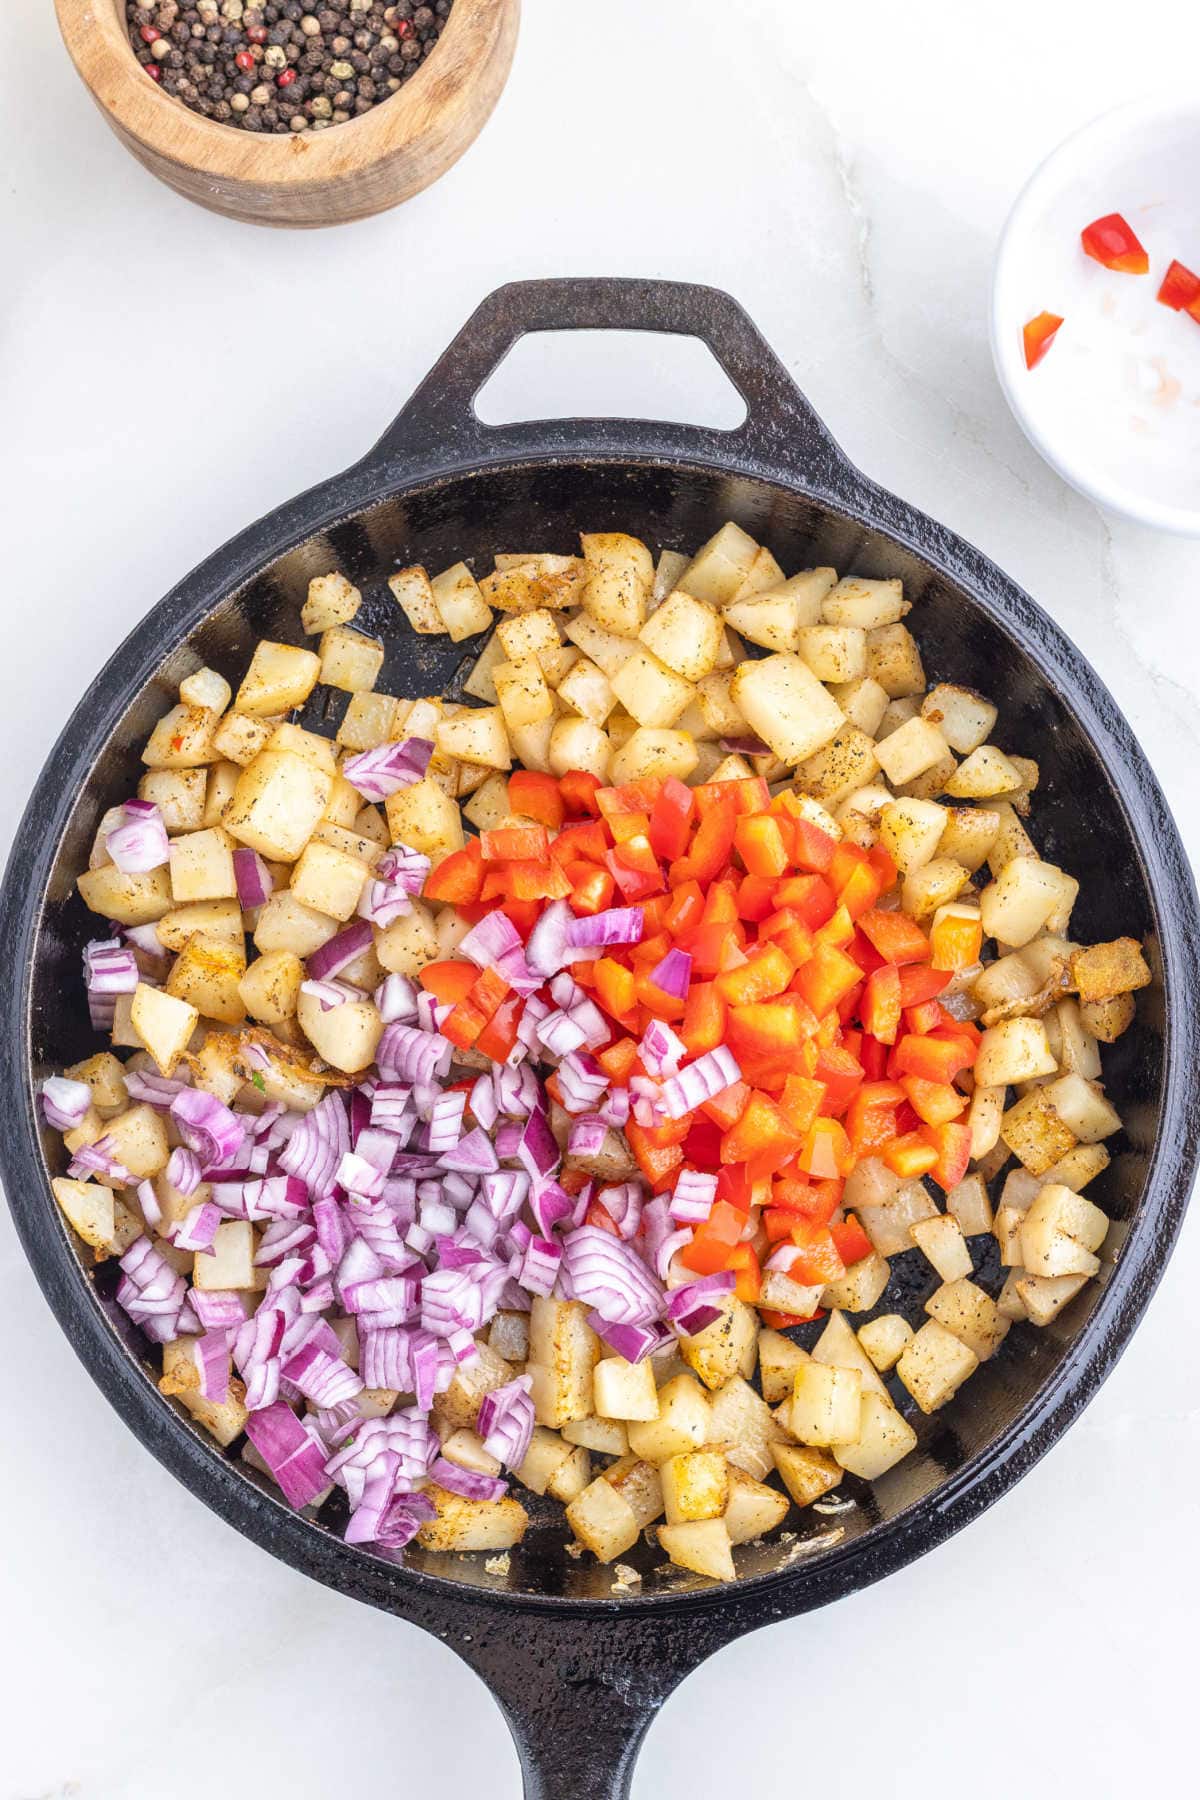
{"x": 781, "y": 432}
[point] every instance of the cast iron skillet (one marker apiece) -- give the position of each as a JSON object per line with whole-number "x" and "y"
{"x": 578, "y": 1671}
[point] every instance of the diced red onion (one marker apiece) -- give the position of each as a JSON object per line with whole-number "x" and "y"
{"x": 322, "y": 1377}
{"x": 253, "y": 878}
{"x": 140, "y": 842}
{"x": 98, "y": 1159}
{"x": 560, "y": 1034}
{"x": 473, "y": 1154}
{"x": 633, "y": 1342}
{"x": 618, "y": 925}
{"x": 396, "y": 999}
{"x": 219, "y": 1309}
{"x": 700, "y": 1081}
{"x": 745, "y": 746}
{"x": 293, "y": 1456}
{"x": 682, "y": 1301}
{"x": 198, "y": 1230}
{"x": 505, "y": 1421}
{"x": 149, "y": 1089}
{"x": 692, "y": 1200}
{"x": 408, "y": 1054}
{"x": 540, "y": 1266}
{"x": 450, "y": 1301}
{"x": 405, "y": 867}
{"x": 385, "y": 770}
{"x": 146, "y": 939}
{"x": 661, "y": 1051}
{"x": 672, "y": 975}
{"x": 606, "y": 1273}
{"x": 623, "y": 1204}
{"x": 330, "y": 958}
{"x": 614, "y": 1108}
{"x": 65, "y": 1103}
{"x": 446, "y": 1121}
{"x": 211, "y": 1352}
{"x": 148, "y": 1202}
{"x": 586, "y": 1137}
{"x": 109, "y": 968}
{"x": 207, "y": 1126}
{"x": 332, "y": 993}
{"x": 317, "y": 1145}
{"x": 537, "y": 1149}
{"x": 358, "y": 1176}
{"x": 467, "y": 1482}
{"x": 183, "y": 1170}
{"x": 504, "y": 1192}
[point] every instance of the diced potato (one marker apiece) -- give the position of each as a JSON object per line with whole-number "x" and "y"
{"x": 695, "y": 1486}
{"x": 202, "y": 866}
{"x": 968, "y": 1202}
{"x": 240, "y": 736}
{"x": 105, "y": 1076}
{"x": 884, "y": 1438}
{"x": 276, "y": 803}
{"x": 526, "y": 637}
{"x": 563, "y": 1352}
{"x": 182, "y": 739}
{"x": 886, "y": 1206}
{"x": 349, "y": 659}
{"x": 910, "y": 831}
{"x": 984, "y": 774}
{"x": 1079, "y": 1166}
{"x": 457, "y": 1409}
{"x": 368, "y": 721}
{"x": 472, "y": 1524}
{"x": 546, "y": 1455}
{"x": 912, "y": 748}
{"x": 753, "y": 1509}
{"x": 1011, "y": 840}
{"x": 163, "y": 1024}
{"x": 1074, "y": 1047}
{"x": 1060, "y": 1233}
{"x": 778, "y": 1360}
{"x": 225, "y": 1419}
{"x": 935, "y": 884}
{"x": 318, "y": 750}
{"x": 329, "y": 880}
{"x": 231, "y": 1264}
{"x": 578, "y": 744}
{"x": 720, "y": 566}
{"x": 603, "y": 1522}
{"x": 884, "y": 1339}
{"x": 604, "y": 648}
{"x": 1027, "y": 896}
{"x": 625, "y": 1390}
{"x": 608, "y": 1437}
{"x": 477, "y": 736}
{"x": 894, "y": 661}
{"x": 968, "y": 835}
{"x": 126, "y": 899}
{"x": 807, "y": 1473}
{"x": 858, "y": 600}
{"x": 1035, "y": 1132}
{"x": 331, "y": 601}
{"x": 684, "y": 1422}
{"x": 270, "y": 987}
{"x": 726, "y": 1347}
{"x": 346, "y": 1036}
{"x": 1083, "y": 1108}
{"x": 655, "y": 753}
{"x": 763, "y": 574}
{"x": 934, "y": 1366}
{"x": 90, "y": 1210}
{"x": 640, "y": 1486}
{"x": 786, "y": 706}
{"x": 425, "y": 818}
{"x": 838, "y": 1348}
{"x": 413, "y": 593}
{"x": 650, "y": 692}
{"x": 684, "y": 634}
{"x": 742, "y": 1424}
{"x": 525, "y": 698}
{"x": 825, "y": 1404}
{"x": 588, "y": 691}
{"x": 845, "y": 765}
{"x": 488, "y": 805}
{"x": 284, "y": 924}
{"x": 964, "y": 717}
{"x": 205, "y": 687}
{"x": 776, "y": 618}
{"x": 465, "y": 1448}
{"x": 535, "y": 582}
{"x": 860, "y": 1287}
{"x": 779, "y": 1293}
{"x": 701, "y": 1545}
{"x": 833, "y": 652}
{"x": 931, "y": 781}
{"x": 970, "y": 1315}
{"x": 280, "y": 678}
{"x": 178, "y": 795}
{"x": 1009, "y": 1303}
{"x": 1044, "y": 1296}
{"x": 620, "y": 577}
{"x": 863, "y": 702}
{"x": 206, "y": 975}
{"x": 1104, "y": 971}
{"x": 1015, "y": 1050}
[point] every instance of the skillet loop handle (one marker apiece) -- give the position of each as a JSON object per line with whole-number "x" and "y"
{"x": 781, "y": 431}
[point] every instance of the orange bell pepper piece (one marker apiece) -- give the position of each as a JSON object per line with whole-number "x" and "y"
{"x": 618, "y": 1059}
{"x": 910, "y": 1156}
{"x": 769, "y": 1029}
{"x": 714, "y": 1240}
{"x": 827, "y": 977}
{"x": 871, "y": 1117}
{"x": 933, "y": 1058}
{"x": 658, "y": 1162}
{"x": 952, "y": 1145}
{"x": 711, "y": 845}
{"x": 880, "y": 1005}
{"x": 615, "y": 988}
{"x": 837, "y": 931}
{"x": 841, "y": 1074}
{"x": 448, "y": 982}
{"x": 756, "y": 897}
{"x": 684, "y": 909}
{"x": 816, "y": 1260}
{"x": 758, "y": 840}
{"x": 727, "y": 1107}
{"x": 536, "y": 796}
{"x": 934, "y": 1102}
{"x": 809, "y": 895}
{"x": 897, "y": 938}
{"x": 800, "y": 1102}
{"x": 591, "y": 892}
{"x": 955, "y": 942}
{"x": 761, "y": 1129}
{"x": 500, "y": 1033}
{"x": 765, "y": 973}
{"x": 850, "y": 1241}
{"x": 704, "y": 1018}
{"x": 515, "y": 843}
{"x": 826, "y": 1151}
{"x": 583, "y": 842}
{"x": 744, "y": 1263}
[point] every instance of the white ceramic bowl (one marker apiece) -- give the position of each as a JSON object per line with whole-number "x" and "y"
{"x": 1115, "y": 405}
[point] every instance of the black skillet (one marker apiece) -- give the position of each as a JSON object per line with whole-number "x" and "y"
{"x": 578, "y": 1671}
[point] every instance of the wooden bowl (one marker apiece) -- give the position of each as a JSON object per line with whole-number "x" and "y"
{"x": 312, "y": 178}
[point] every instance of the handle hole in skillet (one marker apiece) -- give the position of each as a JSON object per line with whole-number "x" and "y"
{"x": 611, "y": 375}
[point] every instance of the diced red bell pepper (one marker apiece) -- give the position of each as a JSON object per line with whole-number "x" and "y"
{"x": 880, "y": 859}
{"x": 711, "y": 845}
{"x": 801, "y": 1100}
{"x": 727, "y": 1107}
{"x": 934, "y": 1102}
{"x": 932, "y": 1058}
{"x": 860, "y": 890}
{"x": 671, "y": 819}
{"x": 650, "y": 952}
{"x": 761, "y": 1127}
{"x": 765, "y": 973}
{"x": 500, "y": 1033}
{"x": 827, "y": 977}
{"x": 709, "y": 1249}
{"x": 920, "y": 984}
{"x": 591, "y": 892}
{"x": 817, "y": 1260}
{"x": 530, "y": 881}
{"x": 585, "y": 841}
{"x": 524, "y": 914}
{"x": 714, "y": 948}
{"x": 770, "y": 1031}
{"x": 658, "y": 1003}
{"x": 873, "y": 1056}
{"x": 744, "y": 1263}
{"x": 850, "y": 1241}
{"x": 635, "y": 884}
{"x": 536, "y": 796}
{"x": 735, "y": 1185}
{"x": 842, "y": 1076}
{"x": 629, "y": 797}
{"x": 448, "y": 982}
{"x": 749, "y": 795}
{"x": 1180, "y": 288}
{"x": 812, "y": 849}
{"x": 1112, "y": 242}
{"x": 684, "y": 909}
{"x": 572, "y": 1181}
{"x": 1037, "y": 335}
{"x": 617, "y": 1060}
{"x": 515, "y": 843}
{"x": 758, "y": 840}
{"x": 837, "y": 931}
{"x": 625, "y": 825}
{"x": 880, "y": 1006}
{"x": 579, "y": 788}
{"x": 658, "y": 1162}
{"x": 702, "y": 1145}
{"x": 952, "y": 1144}
{"x": 705, "y": 1016}
{"x": 809, "y": 895}
{"x": 871, "y": 1118}
{"x": 599, "y": 1216}
{"x": 458, "y": 878}
{"x": 756, "y": 897}
{"x": 897, "y": 938}
{"x": 463, "y": 1025}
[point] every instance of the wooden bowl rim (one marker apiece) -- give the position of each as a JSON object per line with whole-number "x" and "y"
{"x": 96, "y": 38}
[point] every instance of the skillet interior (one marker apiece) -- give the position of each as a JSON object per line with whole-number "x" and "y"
{"x": 1079, "y": 820}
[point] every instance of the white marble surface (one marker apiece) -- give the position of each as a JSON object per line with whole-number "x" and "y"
{"x": 166, "y": 376}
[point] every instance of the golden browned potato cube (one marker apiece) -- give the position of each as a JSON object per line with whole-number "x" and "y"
{"x": 720, "y": 566}
{"x": 408, "y": 943}
{"x": 807, "y": 1473}
{"x": 349, "y": 659}
{"x": 775, "y": 619}
{"x": 838, "y": 1348}
{"x": 894, "y": 661}
{"x": 206, "y": 688}
{"x": 1107, "y": 1019}
{"x": 625, "y": 1390}
{"x": 1035, "y": 1133}
{"x": 964, "y": 717}
{"x": 1103, "y": 971}
{"x": 225, "y": 1419}
{"x": 537, "y": 581}
{"x": 608, "y": 1437}
{"x": 331, "y": 601}
{"x": 347, "y": 1036}
{"x": 655, "y": 753}
{"x": 464, "y": 611}
{"x": 412, "y": 591}
{"x": 270, "y": 987}
{"x": 210, "y": 918}
{"x": 684, "y": 1422}
{"x": 163, "y": 1024}
{"x": 478, "y": 736}
{"x": 970, "y": 1315}
{"x": 458, "y": 1407}
{"x": 472, "y": 1524}
{"x": 778, "y": 1360}
{"x": 858, "y": 600}
{"x": 620, "y": 577}
{"x": 328, "y": 880}
{"x": 884, "y": 1339}
{"x": 742, "y": 1424}
{"x": 202, "y": 866}
{"x": 178, "y": 795}
{"x": 860, "y": 1287}
{"x": 651, "y": 693}
{"x": 726, "y": 1347}
{"x": 968, "y": 1202}
{"x": 563, "y": 1352}
{"x": 318, "y": 750}
{"x": 702, "y": 1546}
{"x": 968, "y": 834}
{"x": 218, "y": 792}
{"x": 825, "y": 1404}
{"x": 911, "y": 831}
{"x": 182, "y": 739}
{"x": 786, "y": 706}
{"x": 847, "y": 763}
{"x": 753, "y": 1509}
{"x": 425, "y": 818}
{"x": 280, "y": 678}
{"x": 126, "y": 899}
{"x": 276, "y": 803}
{"x": 884, "y": 1438}
{"x": 934, "y": 1366}
{"x": 90, "y": 1210}
{"x": 603, "y": 1522}
{"x": 206, "y": 974}
{"x": 685, "y": 635}
{"x": 1044, "y": 1296}
{"x": 640, "y": 1486}
{"x": 546, "y": 1455}
{"x": 240, "y": 736}
{"x": 695, "y": 1485}
{"x": 105, "y": 1076}
{"x": 283, "y": 924}
{"x": 369, "y": 720}
{"x": 910, "y": 750}
{"x": 1015, "y": 1050}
